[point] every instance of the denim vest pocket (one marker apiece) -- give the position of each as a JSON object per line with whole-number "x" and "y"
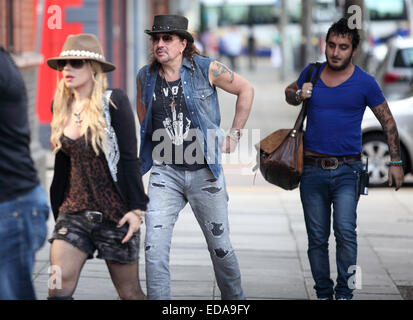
{"x": 207, "y": 106}
{"x": 203, "y": 94}
{"x": 203, "y": 101}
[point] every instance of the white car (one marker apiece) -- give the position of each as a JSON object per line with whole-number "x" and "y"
{"x": 375, "y": 145}
{"x": 395, "y": 72}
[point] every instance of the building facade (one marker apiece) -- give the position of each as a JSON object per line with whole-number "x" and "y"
{"x": 18, "y": 35}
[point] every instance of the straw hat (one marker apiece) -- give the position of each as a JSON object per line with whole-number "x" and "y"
{"x": 169, "y": 23}
{"x": 82, "y": 46}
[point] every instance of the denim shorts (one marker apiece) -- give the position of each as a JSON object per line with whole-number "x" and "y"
{"x": 104, "y": 237}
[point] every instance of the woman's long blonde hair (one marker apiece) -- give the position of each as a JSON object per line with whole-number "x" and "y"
{"x": 92, "y": 116}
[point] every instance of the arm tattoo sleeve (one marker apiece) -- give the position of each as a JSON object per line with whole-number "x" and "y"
{"x": 218, "y": 69}
{"x": 383, "y": 114}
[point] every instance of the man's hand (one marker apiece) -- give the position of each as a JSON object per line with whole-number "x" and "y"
{"x": 291, "y": 91}
{"x": 229, "y": 145}
{"x": 306, "y": 91}
{"x": 134, "y": 222}
{"x": 396, "y": 176}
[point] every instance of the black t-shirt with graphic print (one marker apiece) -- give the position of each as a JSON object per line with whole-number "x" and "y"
{"x": 174, "y": 136}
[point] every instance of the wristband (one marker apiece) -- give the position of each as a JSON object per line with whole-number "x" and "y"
{"x": 298, "y": 96}
{"x": 235, "y": 134}
{"x": 395, "y": 163}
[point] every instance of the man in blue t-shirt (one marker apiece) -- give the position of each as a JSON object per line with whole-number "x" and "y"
{"x": 332, "y": 155}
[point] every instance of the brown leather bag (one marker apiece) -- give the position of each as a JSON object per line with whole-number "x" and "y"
{"x": 280, "y": 154}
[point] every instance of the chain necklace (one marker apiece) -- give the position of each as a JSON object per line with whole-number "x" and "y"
{"x": 174, "y": 125}
{"x": 77, "y": 115}
{"x": 173, "y": 103}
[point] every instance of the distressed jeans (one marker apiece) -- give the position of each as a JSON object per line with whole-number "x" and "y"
{"x": 320, "y": 189}
{"x": 169, "y": 191}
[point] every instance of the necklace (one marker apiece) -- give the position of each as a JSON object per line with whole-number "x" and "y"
{"x": 174, "y": 124}
{"x": 176, "y": 105}
{"x": 77, "y": 115}
{"x": 172, "y": 105}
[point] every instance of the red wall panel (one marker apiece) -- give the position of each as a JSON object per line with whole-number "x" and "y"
{"x": 52, "y": 43}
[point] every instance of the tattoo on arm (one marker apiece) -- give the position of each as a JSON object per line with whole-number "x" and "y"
{"x": 383, "y": 114}
{"x": 218, "y": 69}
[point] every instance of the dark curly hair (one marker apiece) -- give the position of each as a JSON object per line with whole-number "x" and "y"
{"x": 342, "y": 28}
{"x": 189, "y": 52}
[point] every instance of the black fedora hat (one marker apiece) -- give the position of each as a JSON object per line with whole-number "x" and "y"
{"x": 169, "y": 23}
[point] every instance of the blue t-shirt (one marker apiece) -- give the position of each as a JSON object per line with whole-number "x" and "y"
{"x": 334, "y": 114}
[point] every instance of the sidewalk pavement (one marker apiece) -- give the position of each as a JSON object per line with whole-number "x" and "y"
{"x": 269, "y": 237}
{"x": 268, "y": 233}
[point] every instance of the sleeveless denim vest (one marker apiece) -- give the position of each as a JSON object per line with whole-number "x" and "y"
{"x": 202, "y": 102}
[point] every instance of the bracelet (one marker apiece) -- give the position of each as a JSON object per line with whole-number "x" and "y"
{"x": 395, "y": 163}
{"x": 139, "y": 213}
{"x": 235, "y": 134}
{"x": 298, "y": 96}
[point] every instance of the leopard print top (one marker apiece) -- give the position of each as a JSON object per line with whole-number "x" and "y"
{"x": 90, "y": 186}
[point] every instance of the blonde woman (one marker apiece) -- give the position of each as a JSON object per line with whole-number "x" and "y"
{"x": 97, "y": 195}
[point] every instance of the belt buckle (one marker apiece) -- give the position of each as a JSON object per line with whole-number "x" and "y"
{"x": 325, "y": 167}
{"x": 94, "y": 216}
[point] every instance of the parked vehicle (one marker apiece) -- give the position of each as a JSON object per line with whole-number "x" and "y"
{"x": 385, "y": 20}
{"x": 375, "y": 144}
{"x": 395, "y": 73}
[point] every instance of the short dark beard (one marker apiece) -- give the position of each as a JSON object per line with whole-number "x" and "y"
{"x": 342, "y": 67}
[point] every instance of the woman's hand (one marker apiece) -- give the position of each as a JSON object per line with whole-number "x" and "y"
{"x": 134, "y": 218}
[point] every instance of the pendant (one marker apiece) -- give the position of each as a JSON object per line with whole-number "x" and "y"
{"x": 173, "y": 105}
{"x": 78, "y": 120}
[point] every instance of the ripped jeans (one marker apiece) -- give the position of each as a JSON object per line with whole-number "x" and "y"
{"x": 169, "y": 191}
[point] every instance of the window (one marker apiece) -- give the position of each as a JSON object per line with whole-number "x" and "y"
{"x": 404, "y": 58}
{"x": 240, "y": 14}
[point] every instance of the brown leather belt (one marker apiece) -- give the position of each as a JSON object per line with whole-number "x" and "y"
{"x": 330, "y": 163}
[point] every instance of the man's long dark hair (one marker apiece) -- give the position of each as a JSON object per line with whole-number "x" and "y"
{"x": 189, "y": 52}
{"x": 341, "y": 28}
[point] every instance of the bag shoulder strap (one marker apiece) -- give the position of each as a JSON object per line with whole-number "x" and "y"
{"x": 303, "y": 113}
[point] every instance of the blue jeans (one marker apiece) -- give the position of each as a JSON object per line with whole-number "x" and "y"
{"x": 169, "y": 191}
{"x": 23, "y": 231}
{"x": 319, "y": 190}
